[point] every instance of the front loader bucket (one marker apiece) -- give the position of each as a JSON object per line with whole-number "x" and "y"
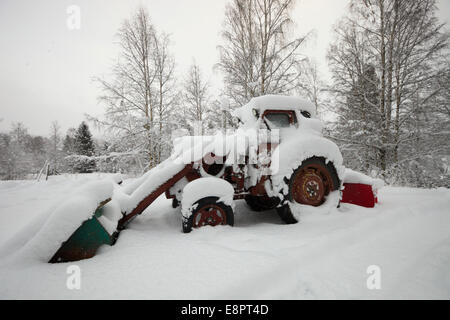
{"x": 92, "y": 234}
{"x": 85, "y": 241}
{"x": 359, "y": 194}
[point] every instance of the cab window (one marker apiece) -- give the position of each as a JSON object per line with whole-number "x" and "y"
{"x": 279, "y": 119}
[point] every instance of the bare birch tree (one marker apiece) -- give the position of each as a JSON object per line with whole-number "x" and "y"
{"x": 257, "y": 56}
{"x": 54, "y": 152}
{"x": 310, "y": 84}
{"x": 137, "y": 97}
{"x": 196, "y": 97}
{"x": 166, "y": 95}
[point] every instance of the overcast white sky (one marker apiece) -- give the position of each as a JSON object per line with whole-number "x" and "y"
{"x": 46, "y": 69}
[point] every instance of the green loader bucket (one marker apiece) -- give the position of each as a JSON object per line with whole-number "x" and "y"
{"x": 85, "y": 241}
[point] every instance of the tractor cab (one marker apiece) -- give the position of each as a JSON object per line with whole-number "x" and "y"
{"x": 274, "y": 112}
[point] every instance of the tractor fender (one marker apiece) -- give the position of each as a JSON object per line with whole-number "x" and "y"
{"x": 203, "y": 188}
{"x": 293, "y": 151}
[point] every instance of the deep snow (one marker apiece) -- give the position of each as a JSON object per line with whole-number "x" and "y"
{"x": 326, "y": 255}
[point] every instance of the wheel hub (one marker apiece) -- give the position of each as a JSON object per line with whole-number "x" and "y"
{"x": 310, "y": 186}
{"x": 211, "y": 215}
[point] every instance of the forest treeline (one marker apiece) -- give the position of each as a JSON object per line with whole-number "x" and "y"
{"x": 386, "y": 105}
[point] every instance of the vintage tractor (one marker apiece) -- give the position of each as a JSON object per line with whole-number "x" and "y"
{"x": 276, "y": 159}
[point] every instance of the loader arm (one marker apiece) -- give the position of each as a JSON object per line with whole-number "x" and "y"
{"x": 153, "y": 195}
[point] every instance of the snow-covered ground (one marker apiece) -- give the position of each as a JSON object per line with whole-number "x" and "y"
{"x": 326, "y": 255}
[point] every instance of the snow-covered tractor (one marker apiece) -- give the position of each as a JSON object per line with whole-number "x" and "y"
{"x": 276, "y": 159}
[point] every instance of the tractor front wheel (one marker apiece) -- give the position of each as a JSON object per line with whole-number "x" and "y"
{"x": 208, "y": 212}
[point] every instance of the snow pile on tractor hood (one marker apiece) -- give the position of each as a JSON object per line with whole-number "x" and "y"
{"x": 190, "y": 149}
{"x": 206, "y": 187}
{"x": 273, "y": 102}
{"x": 235, "y": 145}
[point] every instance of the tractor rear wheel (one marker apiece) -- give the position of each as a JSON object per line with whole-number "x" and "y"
{"x": 309, "y": 184}
{"x": 208, "y": 212}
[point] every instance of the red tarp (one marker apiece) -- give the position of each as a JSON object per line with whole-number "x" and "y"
{"x": 359, "y": 194}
